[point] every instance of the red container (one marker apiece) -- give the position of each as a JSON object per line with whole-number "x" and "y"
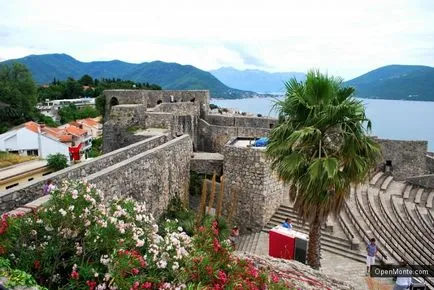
{"x": 281, "y": 244}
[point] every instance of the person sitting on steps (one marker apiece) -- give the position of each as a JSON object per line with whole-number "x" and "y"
{"x": 287, "y": 224}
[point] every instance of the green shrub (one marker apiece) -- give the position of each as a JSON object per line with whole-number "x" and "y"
{"x": 96, "y": 149}
{"x": 16, "y": 277}
{"x": 78, "y": 240}
{"x": 213, "y": 106}
{"x": 57, "y": 161}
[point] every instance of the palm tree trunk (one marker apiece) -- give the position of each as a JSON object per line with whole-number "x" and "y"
{"x": 314, "y": 246}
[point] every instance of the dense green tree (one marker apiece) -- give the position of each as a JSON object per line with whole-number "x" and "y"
{"x": 100, "y": 105}
{"x": 57, "y": 161}
{"x": 73, "y": 89}
{"x": 86, "y": 80}
{"x": 71, "y": 113}
{"x": 17, "y": 94}
{"x": 41, "y": 118}
{"x": 320, "y": 147}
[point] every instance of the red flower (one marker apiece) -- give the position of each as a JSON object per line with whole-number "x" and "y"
{"x": 146, "y": 285}
{"x": 75, "y": 275}
{"x": 135, "y": 286}
{"x": 3, "y": 224}
{"x": 222, "y": 277}
{"x": 209, "y": 269}
{"x": 91, "y": 284}
{"x": 201, "y": 229}
{"x": 37, "y": 264}
{"x": 216, "y": 245}
{"x": 274, "y": 278}
{"x": 135, "y": 271}
{"x": 253, "y": 272}
{"x": 217, "y": 287}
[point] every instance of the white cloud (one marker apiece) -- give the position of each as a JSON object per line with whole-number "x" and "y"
{"x": 345, "y": 37}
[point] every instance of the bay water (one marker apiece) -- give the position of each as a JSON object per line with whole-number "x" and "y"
{"x": 391, "y": 119}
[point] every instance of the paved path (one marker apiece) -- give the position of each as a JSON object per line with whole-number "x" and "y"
{"x": 339, "y": 267}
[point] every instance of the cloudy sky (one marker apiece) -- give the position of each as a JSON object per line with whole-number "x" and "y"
{"x": 346, "y": 38}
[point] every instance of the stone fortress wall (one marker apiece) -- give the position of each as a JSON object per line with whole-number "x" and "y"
{"x": 259, "y": 192}
{"x": 429, "y": 158}
{"x": 155, "y": 168}
{"x": 408, "y": 157}
{"x": 20, "y": 195}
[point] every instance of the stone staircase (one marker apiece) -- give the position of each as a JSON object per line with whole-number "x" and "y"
{"x": 329, "y": 241}
{"x": 249, "y": 243}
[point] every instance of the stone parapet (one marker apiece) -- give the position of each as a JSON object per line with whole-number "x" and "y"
{"x": 426, "y": 181}
{"x": 259, "y": 192}
{"x": 20, "y": 195}
{"x": 153, "y": 176}
{"x": 408, "y": 158}
{"x": 207, "y": 163}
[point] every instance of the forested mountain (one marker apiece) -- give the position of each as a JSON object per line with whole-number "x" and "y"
{"x": 46, "y": 67}
{"x": 255, "y": 80}
{"x": 396, "y": 82}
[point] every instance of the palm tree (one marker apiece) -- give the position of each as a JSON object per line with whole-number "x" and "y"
{"x": 320, "y": 147}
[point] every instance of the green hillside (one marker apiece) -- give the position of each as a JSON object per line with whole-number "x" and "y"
{"x": 45, "y": 68}
{"x": 396, "y": 82}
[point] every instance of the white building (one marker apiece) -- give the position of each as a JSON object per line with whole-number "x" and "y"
{"x": 51, "y": 108}
{"x": 25, "y": 140}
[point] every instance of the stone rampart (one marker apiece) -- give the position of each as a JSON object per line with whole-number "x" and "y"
{"x": 123, "y": 121}
{"x": 426, "y": 181}
{"x": 179, "y": 109}
{"x": 21, "y": 195}
{"x": 408, "y": 157}
{"x": 255, "y": 122}
{"x": 240, "y": 121}
{"x": 207, "y": 163}
{"x": 430, "y": 163}
{"x": 153, "y": 176}
{"x": 122, "y": 97}
{"x": 213, "y": 138}
{"x": 259, "y": 192}
{"x": 220, "y": 120}
{"x": 194, "y": 96}
{"x": 160, "y": 120}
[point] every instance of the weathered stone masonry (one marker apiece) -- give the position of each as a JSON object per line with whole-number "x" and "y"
{"x": 259, "y": 191}
{"x": 408, "y": 157}
{"x": 21, "y": 195}
{"x": 153, "y": 176}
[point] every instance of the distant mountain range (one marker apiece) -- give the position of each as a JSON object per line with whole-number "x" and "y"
{"x": 400, "y": 82}
{"x": 174, "y": 76}
{"x": 396, "y": 82}
{"x": 256, "y": 80}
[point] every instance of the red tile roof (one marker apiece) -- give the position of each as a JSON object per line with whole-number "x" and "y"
{"x": 32, "y": 126}
{"x": 89, "y": 122}
{"x": 75, "y": 131}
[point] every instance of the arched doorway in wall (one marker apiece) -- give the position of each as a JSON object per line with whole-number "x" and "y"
{"x": 113, "y": 102}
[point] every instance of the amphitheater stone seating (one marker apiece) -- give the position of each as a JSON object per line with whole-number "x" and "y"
{"x": 418, "y": 196}
{"x": 376, "y": 177}
{"x": 430, "y": 199}
{"x": 407, "y": 191}
{"x": 386, "y": 183}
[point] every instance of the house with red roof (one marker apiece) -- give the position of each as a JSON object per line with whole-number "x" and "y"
{"x": 31, "y": 140}
{"x": 39, "y": 140}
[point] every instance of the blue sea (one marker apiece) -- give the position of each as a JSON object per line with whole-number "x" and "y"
{"x": 391, "y": 119}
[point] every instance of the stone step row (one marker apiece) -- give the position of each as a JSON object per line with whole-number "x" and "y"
{"x": 305, "y": 230}
{"x": 292, "y": 213}
{"x": 333, "y": 246}
{"x": 248, "y": 243}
